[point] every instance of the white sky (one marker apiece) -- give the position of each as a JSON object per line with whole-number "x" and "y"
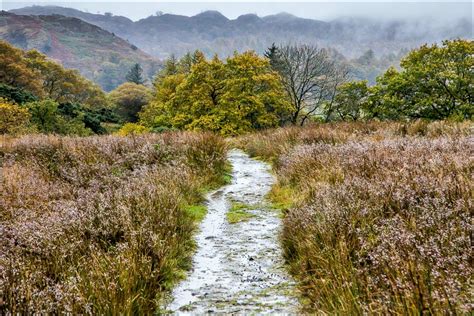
{"x": 323, "y": 10}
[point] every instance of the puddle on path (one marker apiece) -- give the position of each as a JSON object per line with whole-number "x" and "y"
{"x": 238, "y": 268}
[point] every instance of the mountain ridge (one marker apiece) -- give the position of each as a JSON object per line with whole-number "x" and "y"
{"x": 77, "y": 44}
{"x": 210, "y": 31}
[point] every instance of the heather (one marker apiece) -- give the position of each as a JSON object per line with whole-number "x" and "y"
{"x": 378, "y": 215}
{"x": 100, "y": 224}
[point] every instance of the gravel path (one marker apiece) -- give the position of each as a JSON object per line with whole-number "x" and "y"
{"x": 238, "y": 268}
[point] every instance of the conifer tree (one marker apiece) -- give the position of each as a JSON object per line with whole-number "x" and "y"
{"x": 135, "y": 74}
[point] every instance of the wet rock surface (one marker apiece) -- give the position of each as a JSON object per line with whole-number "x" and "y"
{"x": 238, "y": 268}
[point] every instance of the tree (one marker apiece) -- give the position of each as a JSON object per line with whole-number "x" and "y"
{"x": 16, "y": 72}
{"x": 232, "y": 97}
{"x": 349, "y": 102}
{"x": 129, "y": 98}
{"x": 435, "y": 82}
{"x": 310, "y": 78}
{"x": 64, "y": 85}
{"x": 47, "y": 118}
{"x": 16, "y": 95}
{"x": 272, "y": 53}
{"x": 135, "y": 74}
{"x": 13, "y": 118}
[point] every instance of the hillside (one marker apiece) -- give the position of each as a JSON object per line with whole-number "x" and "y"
{"x": 98, "y": 54}
{"x": 212, "y": 32}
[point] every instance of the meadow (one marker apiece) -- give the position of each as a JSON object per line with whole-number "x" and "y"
{"x": 100, "y": 224}
{"x": 378, "y": 215}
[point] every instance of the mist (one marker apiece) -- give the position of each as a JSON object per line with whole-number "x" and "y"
{"x": 326, "y": 11}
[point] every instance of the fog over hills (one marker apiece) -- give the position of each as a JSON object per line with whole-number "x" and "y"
{"x": 210, "y": 31}
{"x": 98, "y": 54}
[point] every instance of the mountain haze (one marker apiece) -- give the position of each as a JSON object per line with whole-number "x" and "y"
{"x": 99, "y": 54}
{"x": 213, "y": 33}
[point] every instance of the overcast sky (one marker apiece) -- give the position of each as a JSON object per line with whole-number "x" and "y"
{"x": 323, "y": 10}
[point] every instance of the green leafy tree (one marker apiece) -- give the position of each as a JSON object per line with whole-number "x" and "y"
{"x": 435, "y": 82}
{"x": 15, "y": 94}
{"x": 135, "y": 74}
{"x": 128, "y": 99}
{"x": 273, "y": 55}
{"x": 47, "y": 118}
{"x": 349, "y": 102}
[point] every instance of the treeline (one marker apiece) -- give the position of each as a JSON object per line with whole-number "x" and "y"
{"x": 39, "y": 95}
{"x": 290, "y": 85}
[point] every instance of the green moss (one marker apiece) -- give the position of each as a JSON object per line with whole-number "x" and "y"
{"x": 197, "y": 212}
{"x": 238, "y": 213}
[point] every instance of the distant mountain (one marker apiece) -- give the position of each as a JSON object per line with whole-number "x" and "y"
{"x": 212, "y": 32}
{"x": 98, "y": 54}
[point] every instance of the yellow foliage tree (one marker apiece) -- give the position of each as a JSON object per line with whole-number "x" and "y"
{"x": 13, "y": 118}
{"x": 232, "y": 97}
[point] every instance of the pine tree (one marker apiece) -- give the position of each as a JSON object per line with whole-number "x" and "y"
{"x": 135, "y": 74}
{"x": 272, "y": 53}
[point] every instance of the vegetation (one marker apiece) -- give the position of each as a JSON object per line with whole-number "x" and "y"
{"x": 435, "y": 82}
{"x": 377, "y": 211}
{"x": 310, "y": 77}
{"x": 13, "y": 119}
{"x": 58, "y": 100}
{"x": 99, "y": 55}
{"x": 240, "y": 95}
{"x": 129, "y": 99}
{"x": 134, "y": 75}
{"x": 238, "y": 212}
{"x": 99, "y": 225}
{"x": 380, "y": 221}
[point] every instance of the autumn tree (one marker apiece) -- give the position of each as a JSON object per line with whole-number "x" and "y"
{"x": 128, "y": 99}
{"x": 13, "y": 118}
{"x": 134, "y": 75}
{"x": 15, "y": 70}
{"x": 64, "y": 85}
{"x": 310, "y": 78}
{"x": 231, "y": 97}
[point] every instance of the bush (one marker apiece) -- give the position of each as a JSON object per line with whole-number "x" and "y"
{"x": 47, "y": 116}
{"x": 133, "y": 129}
{"x": 13, "y": 118}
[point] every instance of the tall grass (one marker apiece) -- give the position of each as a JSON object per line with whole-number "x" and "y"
{"x": 383, "y": 215}
{"x": 99, "y": 225}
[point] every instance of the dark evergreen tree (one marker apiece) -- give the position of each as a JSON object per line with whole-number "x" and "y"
{"x": 272, "y": 53}
{"x": 135, "y": 74}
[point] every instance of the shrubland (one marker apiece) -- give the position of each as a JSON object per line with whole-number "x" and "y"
{"x": 100, "y": 224}
{"x": 378, "y": 215}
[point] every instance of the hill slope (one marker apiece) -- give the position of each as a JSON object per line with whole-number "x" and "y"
{"x": 98, "y": 54}
{"x": 212, "y": 32}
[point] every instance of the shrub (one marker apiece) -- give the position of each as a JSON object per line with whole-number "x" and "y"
{"x": 13, "y": 118}
{"x": 132, "y": 129}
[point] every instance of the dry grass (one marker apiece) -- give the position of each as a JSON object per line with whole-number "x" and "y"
{"x": 98, "y": 225}
{"x": 383, "y": 217}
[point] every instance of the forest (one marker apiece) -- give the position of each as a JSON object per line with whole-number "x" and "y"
{"x": 369, "y": 183}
